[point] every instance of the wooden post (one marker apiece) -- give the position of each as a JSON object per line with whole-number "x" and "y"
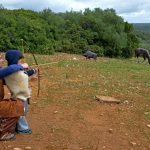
{"x": 22, "y": 46}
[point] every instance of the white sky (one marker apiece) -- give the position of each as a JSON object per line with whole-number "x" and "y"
{"x": 133, "y": 11}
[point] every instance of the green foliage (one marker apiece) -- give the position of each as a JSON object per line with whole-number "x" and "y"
{"x": 46, "y": 32}
{"x": 132, "y": 41}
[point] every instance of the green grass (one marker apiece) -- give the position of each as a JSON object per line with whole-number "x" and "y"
{"x": 70, "y": 81}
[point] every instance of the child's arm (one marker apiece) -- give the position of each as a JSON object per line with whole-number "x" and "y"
{"x": 9, "y": 70}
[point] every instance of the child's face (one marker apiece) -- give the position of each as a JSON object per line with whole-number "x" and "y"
{"x": 1, "y": 60}
{"x": 21, "y": 61}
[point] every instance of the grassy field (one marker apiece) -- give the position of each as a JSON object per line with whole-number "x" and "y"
{"x": 67, "y": 116}
{"x": 112, "y": 77}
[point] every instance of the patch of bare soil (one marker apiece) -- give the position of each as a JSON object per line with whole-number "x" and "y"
{"x": 100, "y": 126}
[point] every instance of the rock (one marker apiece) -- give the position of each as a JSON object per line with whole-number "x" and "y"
{"x": 126, "y": 102}
{"x": 122, "y": 123}
{"x": 28, "y": 148}
{"x": 107, "y": 99}
{"x": 79, "y": 76}
{"x": 9, "y": 146}
{"x": 101, "y": 114}
{"x": 148, "y": 125}
{"x": 74, "y": 58}
{"x": 104, "y": 147}
{"x": 55, "y": 112}
{"x": 17, "y": 148}
{"x": 110, "y": 130}
{"x": 146, "y": 113}
{"x": 133, "y": 143}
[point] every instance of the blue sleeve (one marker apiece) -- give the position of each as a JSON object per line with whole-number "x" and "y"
{"x": 30, "y": 72}
{"x": 9, "y": 70}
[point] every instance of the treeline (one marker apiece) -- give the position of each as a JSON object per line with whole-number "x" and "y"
{"x": 46, "y": 32}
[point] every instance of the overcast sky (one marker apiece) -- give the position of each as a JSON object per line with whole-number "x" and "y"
{"x": 133, "y": 11}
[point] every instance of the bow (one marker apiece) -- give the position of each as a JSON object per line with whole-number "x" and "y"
{"x": 38, "y": 73}
{"x": 36, "y": 62}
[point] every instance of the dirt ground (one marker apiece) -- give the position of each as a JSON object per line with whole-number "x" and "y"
{"x": 63, "y": 118}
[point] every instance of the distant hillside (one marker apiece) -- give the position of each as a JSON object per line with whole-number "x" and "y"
{"x": 144, "y": 27}
{"x": 143, "y": 33}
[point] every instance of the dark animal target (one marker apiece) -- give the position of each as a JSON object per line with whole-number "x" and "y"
{"x": 88, "y": 54}
{"x": 141, "y": 52}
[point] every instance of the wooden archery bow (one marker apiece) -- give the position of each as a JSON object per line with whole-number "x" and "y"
{"x": 38, "y": 72}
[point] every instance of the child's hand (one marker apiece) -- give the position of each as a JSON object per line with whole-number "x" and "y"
{"x": 34, "y": 78}
{"x": 36, "y": 68}
{"x": 25, "y": 66}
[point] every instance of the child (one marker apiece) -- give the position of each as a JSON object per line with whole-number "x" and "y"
{"x": 7, "y": 124}
{"x": 18, "y": 84}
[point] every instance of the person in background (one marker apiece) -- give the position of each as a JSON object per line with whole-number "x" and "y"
{"x": 18, "y": 84}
